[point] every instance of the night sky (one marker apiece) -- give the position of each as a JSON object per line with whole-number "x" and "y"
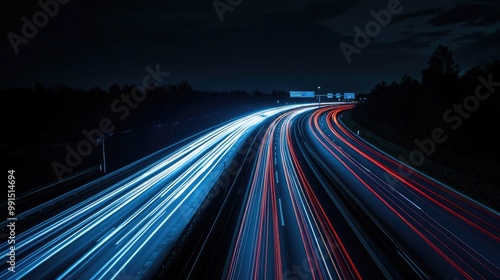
{"x": 248, "y": 44}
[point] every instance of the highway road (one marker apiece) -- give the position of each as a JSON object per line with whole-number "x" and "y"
{"x": 288, "y": 230}
{"x": 318, "y": 203}
{"x": 126, "y": 229}
{"x": 440, "y": 233}
{"x": 394, "y": 223}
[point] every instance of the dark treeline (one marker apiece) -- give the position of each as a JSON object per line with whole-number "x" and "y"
{"x": 446, "y": 122}
{"x": 61, "y": 112}
{"x": 463, "y": 105}
{"x": 42, "y": 121}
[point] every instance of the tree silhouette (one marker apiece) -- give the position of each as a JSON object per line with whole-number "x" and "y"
{"x": 441, "y": 65}
{"x": 439, "y": 82}
{"x": 114, "y": 90}
{"x": 441, "y": 76}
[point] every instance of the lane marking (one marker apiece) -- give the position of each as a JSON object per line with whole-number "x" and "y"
{"x": 281, "y": 213}
{"x": 409, "y": 200}
{"x": 368, "y": 170}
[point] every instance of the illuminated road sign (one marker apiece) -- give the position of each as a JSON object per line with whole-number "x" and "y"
{"x": 348, "y": 95}
{"x": 302, "y": 94}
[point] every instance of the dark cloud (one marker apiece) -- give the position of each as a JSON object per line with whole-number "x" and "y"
{"x": 484, "y": 46}
{"x": 312, "y": 13}
{"x": 417, "y": 14}
{"x": 469, "y": 15}
{"x": 320, "y": 11}
{"x": 412, "y": 36}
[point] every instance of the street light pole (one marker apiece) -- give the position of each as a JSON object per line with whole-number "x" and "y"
{"x": 319, "y": 97}
{"x": 104, "y": 152}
